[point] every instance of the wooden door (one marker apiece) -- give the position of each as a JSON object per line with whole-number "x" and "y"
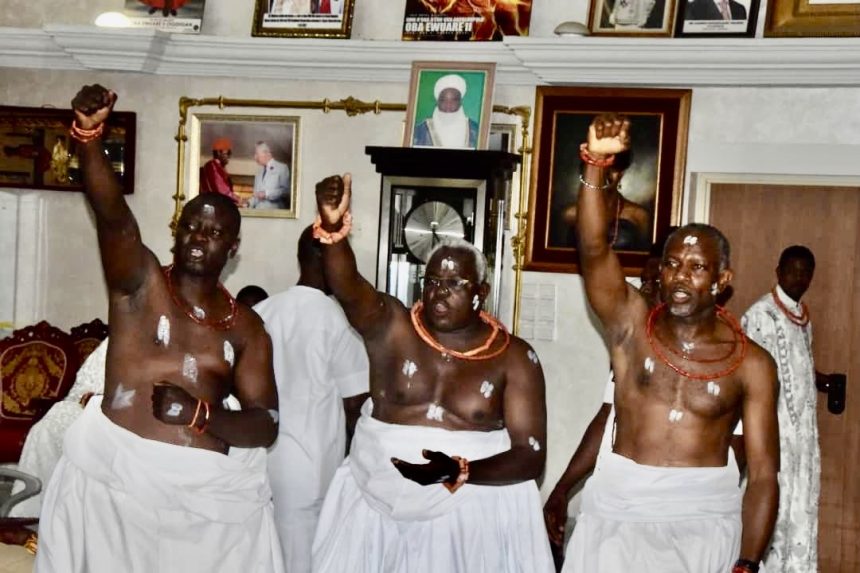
{"x": 760, "y": 221}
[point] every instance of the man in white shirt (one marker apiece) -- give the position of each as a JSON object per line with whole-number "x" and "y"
{"x": 779, "y": 322}
{"x": 322, "y": 375}
{"x": 272, "y": 182}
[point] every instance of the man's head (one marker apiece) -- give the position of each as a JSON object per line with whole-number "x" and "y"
{"x": 449, "y": 91}
{"x": 251, "y": 295}
{"x": 455, "y": 285}
{"x": 794, "y": 271}
{"x": 262, "y": 153}
{"x": 695, "y": 269}
{"x": 207, "y": 234}
{"x": 309, "y": 253}
{"x": 222, "y": 149}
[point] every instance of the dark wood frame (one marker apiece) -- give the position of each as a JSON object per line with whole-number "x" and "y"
{"x": 121, "y": 127}
{"x": 800, "y": 18}
{"x": 673, "y": 109}
{"x": 343, "y": 31}
{"x": 752, "y": 20}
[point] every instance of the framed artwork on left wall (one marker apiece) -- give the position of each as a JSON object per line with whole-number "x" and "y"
{"x": 36, "y": 151}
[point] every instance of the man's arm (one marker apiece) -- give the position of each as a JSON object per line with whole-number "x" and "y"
{"x": 582, "y": 462}
{"x": 365, "y": 307}
{"x": 525, "y": 419}
{"x": 605, "y": 285}
{"x": 124, "y": 257}
{"x": 352, "y": 409}
{"x": 761, "y": 442}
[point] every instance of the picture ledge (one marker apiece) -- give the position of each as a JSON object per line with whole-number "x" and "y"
{"x": 687, "y": 62}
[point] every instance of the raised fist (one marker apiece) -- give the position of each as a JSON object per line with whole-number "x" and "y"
{"x": 608, "y": 134}
{"x": 172, "y": 405}
{"x": 92, "y": 106}
{"x": 333, "y": 197}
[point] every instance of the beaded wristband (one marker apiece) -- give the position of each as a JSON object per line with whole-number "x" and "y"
{"x": 595, "y": 187}
{"x": 745, "y": 566}
{"x": 85, "y": 135}
{"x": 587, "y": 157}
{"x": 327, "y": 238}
{"x": 205, "y": 424}
{"x": 463, "y": 476}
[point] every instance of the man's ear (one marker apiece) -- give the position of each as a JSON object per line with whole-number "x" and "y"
{"x": 234, "y": 248}
{"x": 484, "y": 290}
{"x": 725, "y": 278}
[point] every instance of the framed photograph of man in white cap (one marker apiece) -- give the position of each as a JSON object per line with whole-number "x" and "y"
{"x": 449, "y": 105}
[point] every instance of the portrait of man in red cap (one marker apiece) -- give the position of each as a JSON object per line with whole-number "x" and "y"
{"x": 213, "y": 175}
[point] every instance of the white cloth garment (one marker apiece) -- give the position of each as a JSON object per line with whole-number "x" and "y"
{"x": 44, "y": 444}
{"x": 449, "y": 129}
{"x": 319, "y": 360}
{"x": 376, "y": 521}
{"x": 647, "y": 519}
{"x": 119, "y": 502}
{"x": 794, "y": 545}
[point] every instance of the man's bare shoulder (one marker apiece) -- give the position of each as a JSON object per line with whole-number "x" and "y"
{"x": 520, "y": 354}
{"x": 248, "y": 322}
{"x": 758, "y": 367}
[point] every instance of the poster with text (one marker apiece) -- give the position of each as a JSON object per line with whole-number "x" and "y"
{"x": 466, "y": 19}
{"x": 177, "y": 16}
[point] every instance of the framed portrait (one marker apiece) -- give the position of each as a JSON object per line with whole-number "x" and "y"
{"x": 716, "y": 18}
{"x": 251, "y": 159}
{"x": 449, "y": 105}
{"x": 465, "y": 19}
{"x": 631, "y": 17}
{"x": 36, "y": 151}
{"x": 303, "y": 18}
{"x": 812, "y": 18}
{"x": 649, "y": 178}
{"x": 175, "y": 16}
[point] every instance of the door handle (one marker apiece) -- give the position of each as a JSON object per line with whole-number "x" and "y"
{"x": 835, "y": 390}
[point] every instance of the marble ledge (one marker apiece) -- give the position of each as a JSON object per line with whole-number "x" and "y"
{"x": 520, "y": 61}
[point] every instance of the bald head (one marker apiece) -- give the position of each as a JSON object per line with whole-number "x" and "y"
{"x": 223, "y": 205}
{"x": 708, "y": 232}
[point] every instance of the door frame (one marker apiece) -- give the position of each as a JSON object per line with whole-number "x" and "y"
{"x": 697, "y": 202}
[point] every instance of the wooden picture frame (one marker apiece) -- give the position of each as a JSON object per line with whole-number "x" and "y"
{"x": 258, "y": 144}
{"x": 642, "y": 18}
{"x": 303, "y": 18}
{"x": 473, "y": 82}
{"x": 652, "y": 184}
{"x": 703, "y": 19}
{"x": 36, "y": 151}
{"x": 812, "y": 18}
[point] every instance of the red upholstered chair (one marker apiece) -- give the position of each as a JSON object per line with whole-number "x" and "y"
{"x": 37, "y": 367}
{"x": 87, "y": 336}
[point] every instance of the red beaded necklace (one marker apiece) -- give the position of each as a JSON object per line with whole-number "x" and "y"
{"x": 223, "y": 324}
{"x": 800, "y": 320}
{"x": 724, "y": 315}
{"x": 474, "y": 353}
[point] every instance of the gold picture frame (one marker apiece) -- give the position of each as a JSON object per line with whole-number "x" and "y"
{"x": 476, "y": 81}
{"x": 303, "y": 18}
{"x": 786, "y": 18}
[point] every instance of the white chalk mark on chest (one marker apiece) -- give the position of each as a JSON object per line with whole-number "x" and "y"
{"x": 122, "y": 398}
{"x": 189, "y": 368}
{"x": 435, "y": 412}
{"x": 534, "y": 443}
{"x": 409, "y": 368}
{"x": 162, "y": 333}
{"x": 675, "y": 415}
{"x": 276, "y": 417}
{"x": 487, "y": 389}
{"x": 713, "y": 388}
{"x": 174, "y": 410}
{"x": 533, "y": 356}
{"x": 198, "y": 313}
{"x": 229, "y": 353}
{"x": 649, "y": 365}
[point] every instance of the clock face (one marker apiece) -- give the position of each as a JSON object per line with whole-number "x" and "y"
{"x": 430, "y": 223}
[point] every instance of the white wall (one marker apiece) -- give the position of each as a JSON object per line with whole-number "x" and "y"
{"x": 751, "y": 130}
